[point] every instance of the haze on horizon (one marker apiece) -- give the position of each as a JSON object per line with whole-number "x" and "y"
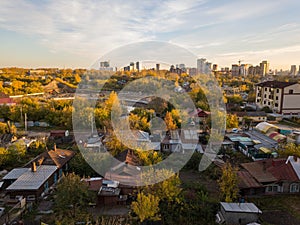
{"x": 42, "y": 33}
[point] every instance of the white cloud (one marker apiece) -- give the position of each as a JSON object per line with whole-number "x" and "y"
{"x": 93, "y": 27}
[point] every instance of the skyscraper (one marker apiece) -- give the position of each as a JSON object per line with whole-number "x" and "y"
{"x": 264, "y": 68}
{"x": 204, "y": 67}
{"x": 293, "y": 71}
{"x": 201, "y": 65}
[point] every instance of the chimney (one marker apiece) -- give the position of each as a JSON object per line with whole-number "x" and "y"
{"x": 54, "y": 147}
{"x": 295, "y": 158}
{"x": 33, "y": 167}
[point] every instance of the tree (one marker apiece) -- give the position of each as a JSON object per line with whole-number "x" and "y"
{"x": 229, "y": 183}
{"x": 138, "y": 123}
{"x": 290, "y": 149}
{"x": 146, "y": 207}
{"x": 171, "y": 125}
{"x": 3, "y": 157}
{"x": 71, "y": 196}
{"x": 168, "y": 189}
{"x": 232, "y": 121}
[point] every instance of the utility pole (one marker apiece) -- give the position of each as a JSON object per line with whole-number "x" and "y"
{"x": 25, "y": 116}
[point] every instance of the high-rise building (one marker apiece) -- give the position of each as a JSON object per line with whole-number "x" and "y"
{"x": 215, "y": 67}
{"x": 157, "y": 67}
{"x": 235, "y": 70}
{"x": 293, "y": 71}
{"x": 137, "y": 65}
{"x": 264, "y": 68}
{"x": 131, "y": 66}
{"x": 201, "y": 65}
{"x": 244, "y": 69}
{"x": 104, "y": 66}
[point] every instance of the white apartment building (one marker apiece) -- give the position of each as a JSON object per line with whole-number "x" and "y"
{"x": 281, "y": 97}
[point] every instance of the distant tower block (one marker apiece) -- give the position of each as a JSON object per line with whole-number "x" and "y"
{"x": 137, "y": 65}
{"x": 104, "y": 64}
{"x": 157, "y": 67}
{"x": 131, "y": 66}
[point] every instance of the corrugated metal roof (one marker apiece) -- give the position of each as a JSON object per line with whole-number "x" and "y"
{"x": 264, "y": 127}
{"x": 247, "y": 181}
{"x": 240, "y": 207}
{"x": 33, "y": 180}
{"x": 295, "y": 164}
{"x": 15, "y": 173}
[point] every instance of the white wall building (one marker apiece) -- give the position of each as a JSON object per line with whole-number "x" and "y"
{"x": 281, "y": 97}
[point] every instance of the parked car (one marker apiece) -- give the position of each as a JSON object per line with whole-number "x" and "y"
{"x": 235, "y": 130}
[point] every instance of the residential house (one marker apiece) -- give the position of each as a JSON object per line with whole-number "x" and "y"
{"x": 126, "y": 170}
{"x": 34, "y": 182}
{"x": 199, "y": 115}
{"x": 172, "y": 142}
{"x": 37, "y": 176}
{"x": 238, "y": 213}
{"x": 6, "y": 100}
{"x": 108, "y": 192}
{"x": 270, "y": 176}
{"x": 57, "y": 157}
{"x": 255, "y": 117}
{"x": 281, "y": 97}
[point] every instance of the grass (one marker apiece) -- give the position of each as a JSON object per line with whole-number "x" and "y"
{"x": 279, "y": 206}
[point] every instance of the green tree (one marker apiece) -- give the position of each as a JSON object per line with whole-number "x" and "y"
{"x": 146, "y": 207}
{"x": 71, "y": 196}
{"x": 229, "y": 183}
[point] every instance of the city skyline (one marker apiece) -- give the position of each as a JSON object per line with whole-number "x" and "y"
{"x": 77, "y": 33}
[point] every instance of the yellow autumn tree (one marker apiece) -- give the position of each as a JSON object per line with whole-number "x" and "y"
{"x": 228, "y": 183}
{"x": 232, "y": 121}
{"x": 171, "y": 125}
{"x": 146, "y": 207}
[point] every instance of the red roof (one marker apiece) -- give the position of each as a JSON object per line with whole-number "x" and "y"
{"x": 200, "y": 113}
{"x": 94, "y": 184}
{"x": 283, "y": 171}
{"x": 247, "y": 181}
{"x": 7, "y": 101}
{"x": 271, "y": 170}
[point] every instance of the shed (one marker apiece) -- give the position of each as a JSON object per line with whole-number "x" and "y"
{"x": 238, "y": 213}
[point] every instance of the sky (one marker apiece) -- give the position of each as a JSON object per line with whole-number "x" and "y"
{"x": 74, "y": 34}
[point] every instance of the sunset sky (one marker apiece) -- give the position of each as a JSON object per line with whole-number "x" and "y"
{"x": 44, "y": 33}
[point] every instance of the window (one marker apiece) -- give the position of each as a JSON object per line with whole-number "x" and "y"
{"x": 269, "y": 103}
{"x": 291, "y": 92}
{"x": 276, "y": 104}
{"x": 46, "y": 186}
{"x": 294, "y": 188}
{"x": 166, "y": 147}
{"x": 272, "y": 188}
{"x": 265, "y": 102}
{"x": 277, "y": 90}
{"x": 265, "y": 95}
{"x": 277, "y": 98}
{"x": 266, "y": 89}
{"x": 60, "y": 172}
{"x": 257, "y": 100}
{"x": 55, "y": 178}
